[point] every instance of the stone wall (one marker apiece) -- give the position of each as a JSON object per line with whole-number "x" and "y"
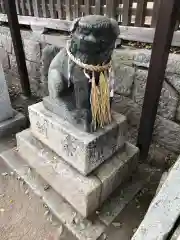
{"x": 131, "y": 69}
{"x": 34, "y": 43}
{"x": 134, "y": 64}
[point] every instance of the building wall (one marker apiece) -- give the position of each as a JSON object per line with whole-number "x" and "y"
{"x": 131, "y": 69}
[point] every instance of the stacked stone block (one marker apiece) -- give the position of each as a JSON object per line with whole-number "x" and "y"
{"x": 83, "y": 168}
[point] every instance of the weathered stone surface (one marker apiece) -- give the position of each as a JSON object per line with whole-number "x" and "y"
{"x": 129, "y": 108}
{"x": 125, "y": 56}
{"x": 48, "y": 53}
{"x": 142, "y": 59}
{"x": 173, "y": 65}
{"x": 6, "y": 42}
{"x": 12, "y": 125}
{"x": 162, "y": 181}
{"x": 4, "y": 59}
{"x": 80, "y": 227}
{"x": 124, "y": 77}
{"x": 32, "y": 50}
{"x": 13, "y": 65}
{"x": 82, "y": 150}
{"x": 174, "y": 81}
{"x": 117, "y": 169}
{"x": 66, "y": 110}
{"x": 34, "y": 77}
{"x": 26, "y": 34}
{"x": 161, "y": 157}
{"x": 5, "y": 31}
{"x": 168, "y": 100}
{"x": 57, "y": 40}
{"x": 164, "y": 209}
{"x": 6, "y": 110}
{"x": 139, "y": 86}
{"x": 37, "y": 29}
{"x": 32, "y": 67}
{"x": 178, "y": 113}
{"x": 34, "y": 70}
{"x": 167, "y": 133}
{"x": 85, "y": 194}
{"x": 124, "y": 194}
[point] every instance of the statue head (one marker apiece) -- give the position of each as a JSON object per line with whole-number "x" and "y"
{"x": 93, "y": 38}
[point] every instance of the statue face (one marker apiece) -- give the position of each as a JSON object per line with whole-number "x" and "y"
{"x": 94, "y": 42}
{"x": 94, "y": 37}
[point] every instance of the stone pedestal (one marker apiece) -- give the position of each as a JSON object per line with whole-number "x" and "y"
{"x": 86, "y": 194}
{"x": 10, "y": 120}
{"x": 64, "y": 155}
{"x": 82, "y": 150}
{"x": 88, "y": 173}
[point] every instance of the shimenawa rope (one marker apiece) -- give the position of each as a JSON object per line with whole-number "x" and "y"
{"x": 100, "y": 94}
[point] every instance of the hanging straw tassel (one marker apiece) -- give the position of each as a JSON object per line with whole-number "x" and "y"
{"x": 95, "y": 103}
{"x": 100, "y": 102}
{"x": 105, "y": 99}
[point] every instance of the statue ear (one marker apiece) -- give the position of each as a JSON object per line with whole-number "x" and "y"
{"x": 74, "y": 25}
{"x": 115, "y": 27}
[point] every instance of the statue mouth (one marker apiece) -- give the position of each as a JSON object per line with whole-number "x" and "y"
{"x": 88, "y": 47}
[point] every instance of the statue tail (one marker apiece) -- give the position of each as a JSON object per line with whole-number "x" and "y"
{"x": 48, "y": 54}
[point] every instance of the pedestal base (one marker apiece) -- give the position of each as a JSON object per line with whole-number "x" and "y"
{"x": 80, "y": 227}
{"x": 12, "y": 125}
{"x": 85, "y": 194}
{"x": 84, "y": 151}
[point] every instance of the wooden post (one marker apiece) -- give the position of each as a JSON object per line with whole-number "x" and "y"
{"x": 140, "y": 13}
{"x": 155, "y": 13}
{"x": 111, "y": 8}
{"x": 98, "y": 4}
{"x": 127, "y": 4}
{"x": 18, "y": 46}
{"x": 162, "y": 42}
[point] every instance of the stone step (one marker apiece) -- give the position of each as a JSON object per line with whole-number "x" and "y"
{"x": 80, "y": 227}
{"x": 163, "y": 212}
{"x": 85, "y": 194}
{"x": 84, "y": 151}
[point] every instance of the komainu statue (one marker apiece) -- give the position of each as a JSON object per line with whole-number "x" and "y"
{"x": 80, "y": 78}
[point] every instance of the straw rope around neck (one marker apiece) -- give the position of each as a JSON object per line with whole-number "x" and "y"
{"x": 100, "y": 94}
{"x": 90, "y": 67}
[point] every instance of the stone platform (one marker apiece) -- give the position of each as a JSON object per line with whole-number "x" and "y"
{"x": 12, "y": 125}
{"x": 84, "y": 193}
{"x": 81, "y": 228}
{"x": 84, "y": 151}
{"x": 163, "y": 213}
